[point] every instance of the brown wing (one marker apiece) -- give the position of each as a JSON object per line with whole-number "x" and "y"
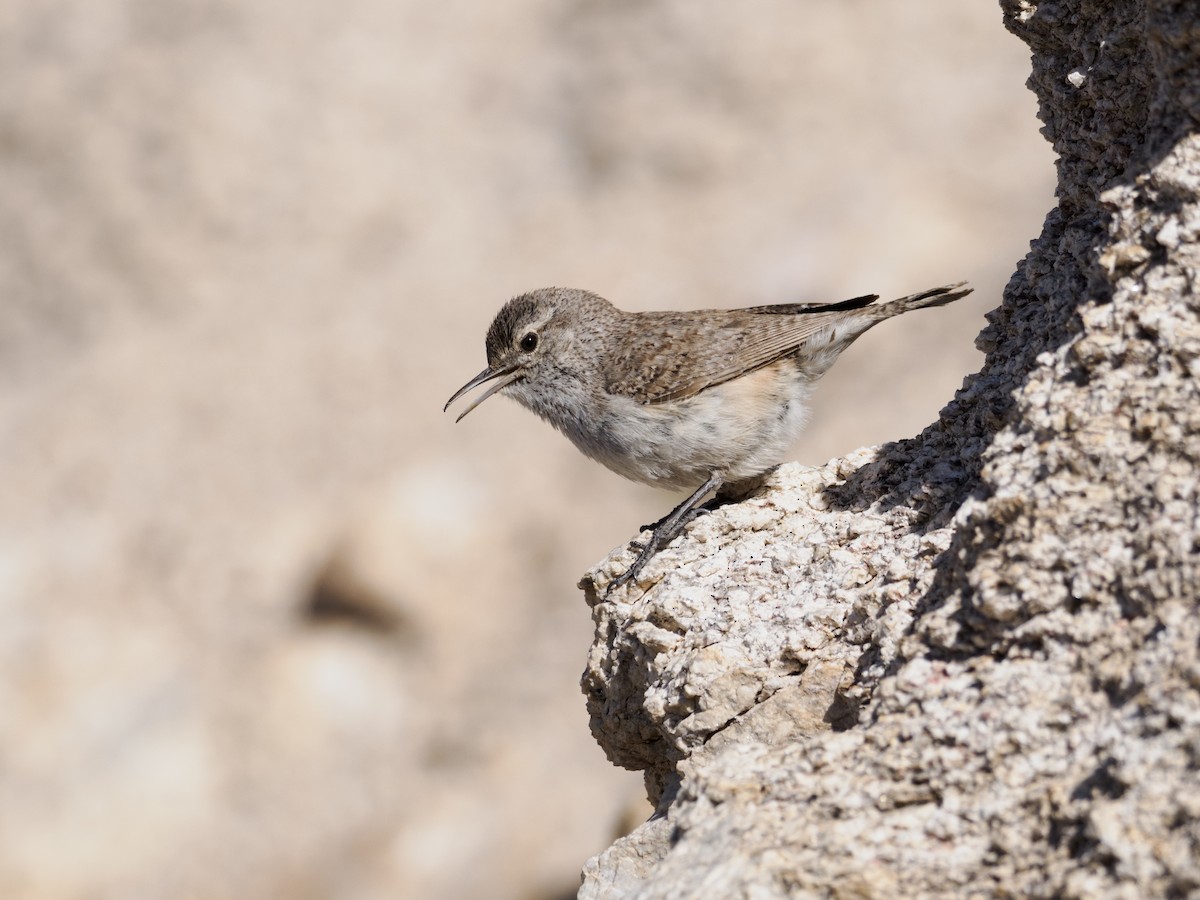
{"x": 672, "y": 356}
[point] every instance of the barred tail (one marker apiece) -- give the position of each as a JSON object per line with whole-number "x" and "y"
{"x": 935, "y": 297}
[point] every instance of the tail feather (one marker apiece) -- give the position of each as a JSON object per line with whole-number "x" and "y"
{"x": 935, "y": 297}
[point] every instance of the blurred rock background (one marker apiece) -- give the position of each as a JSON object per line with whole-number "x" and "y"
{"x": 270, "y": 625}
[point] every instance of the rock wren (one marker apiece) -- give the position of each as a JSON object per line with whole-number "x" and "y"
{"x": 705, "y": 401}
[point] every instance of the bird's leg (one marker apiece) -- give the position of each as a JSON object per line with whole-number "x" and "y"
{"x": 654, "y": 526}
{"x": 725, "y": 493}
{"x": 669, "y": 528}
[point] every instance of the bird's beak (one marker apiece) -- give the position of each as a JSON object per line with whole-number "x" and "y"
{"x": 507, "y": 376}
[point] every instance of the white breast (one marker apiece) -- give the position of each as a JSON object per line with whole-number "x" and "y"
{"x": 740, "y": 428}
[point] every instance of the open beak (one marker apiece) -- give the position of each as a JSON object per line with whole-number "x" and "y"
{"x": 506, "y": 376}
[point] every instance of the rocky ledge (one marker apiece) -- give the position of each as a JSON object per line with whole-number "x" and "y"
{"x": 966, "y": 663}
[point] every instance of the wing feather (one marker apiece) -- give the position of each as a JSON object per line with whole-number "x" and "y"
{"x": 651, "y": 366}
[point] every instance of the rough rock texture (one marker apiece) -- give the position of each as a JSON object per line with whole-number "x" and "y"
{"x": 966, "y": 663}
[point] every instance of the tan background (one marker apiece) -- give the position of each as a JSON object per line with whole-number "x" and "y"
{"x": 270, "y": 625}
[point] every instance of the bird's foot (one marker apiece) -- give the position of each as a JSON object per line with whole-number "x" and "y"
{"x": 647, "y": 550}
{"x": 666, "y": 530}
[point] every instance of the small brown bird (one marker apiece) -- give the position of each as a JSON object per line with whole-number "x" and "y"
{"x": 706, "y": 400}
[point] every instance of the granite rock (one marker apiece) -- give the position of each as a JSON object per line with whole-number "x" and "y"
{"x": 965, "y": 664}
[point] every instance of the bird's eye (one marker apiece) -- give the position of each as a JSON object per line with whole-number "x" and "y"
{"x": 529, "y": 342}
